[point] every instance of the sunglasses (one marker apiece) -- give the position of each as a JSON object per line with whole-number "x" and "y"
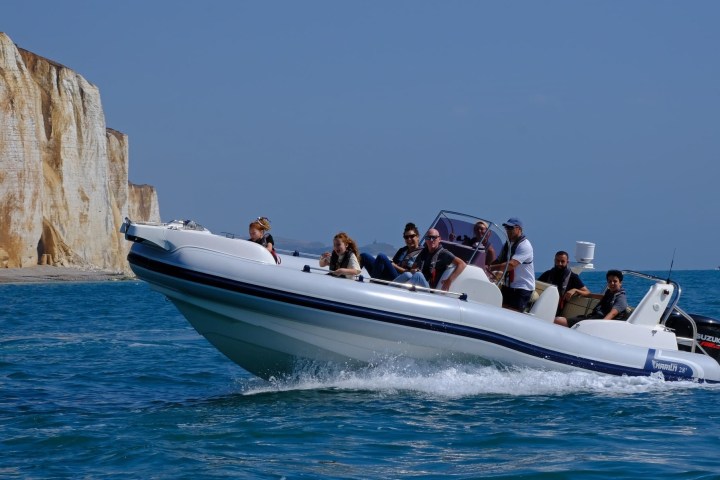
{"x": 432, "y": 237}
{"x": 408, "y": 237}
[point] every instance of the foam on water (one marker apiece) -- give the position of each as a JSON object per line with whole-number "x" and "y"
{"x": 463, "y": 381}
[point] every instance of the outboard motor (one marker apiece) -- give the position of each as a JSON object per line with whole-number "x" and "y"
{"x": 708, "y": 331}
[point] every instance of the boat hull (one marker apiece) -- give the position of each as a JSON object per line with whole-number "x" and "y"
{"x": 275, "y": 321}
{"x": 272, "y": 338}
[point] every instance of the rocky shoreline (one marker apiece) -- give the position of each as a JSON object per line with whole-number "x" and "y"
{"x": 48, "y": 274}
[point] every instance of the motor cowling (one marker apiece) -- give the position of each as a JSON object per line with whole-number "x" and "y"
{"x": 708, "y": 331}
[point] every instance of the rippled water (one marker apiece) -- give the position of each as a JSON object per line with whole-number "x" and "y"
{"x": 109, "y": 380}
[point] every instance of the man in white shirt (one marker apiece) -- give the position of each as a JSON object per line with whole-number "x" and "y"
{"x": 517, "y": 255}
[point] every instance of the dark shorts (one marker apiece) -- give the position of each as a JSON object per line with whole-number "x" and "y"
{"x": 516, "y": 298}
{"x": 572, "y": 321}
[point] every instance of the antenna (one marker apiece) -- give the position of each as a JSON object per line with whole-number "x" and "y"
{"x": 671, "y": 265}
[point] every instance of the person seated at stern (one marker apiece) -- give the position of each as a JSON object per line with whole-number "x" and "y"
{"x": 431, "y": 263}
{"x": 385, "y": 269}
{"x": 567, "y": 282}
{"x": 343, "y": 260}
{"x": 613, "y": 303}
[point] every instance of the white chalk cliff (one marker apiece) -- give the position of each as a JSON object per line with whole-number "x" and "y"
{"x": 64, "y": 189}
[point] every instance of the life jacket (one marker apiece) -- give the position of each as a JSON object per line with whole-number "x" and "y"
{"x": 407, "y": 261}
{"x": 504, "y": 258}
{"x": 562, "y": 287}
{"x": 336, "y": 262}
{"x": 606, "y": 304}
{"x": 433, "y": 274}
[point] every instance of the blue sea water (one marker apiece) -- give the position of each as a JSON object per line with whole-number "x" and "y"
{"x": 108, "y": 380}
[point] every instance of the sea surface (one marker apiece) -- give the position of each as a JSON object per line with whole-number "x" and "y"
{"x": 108, "y": 380}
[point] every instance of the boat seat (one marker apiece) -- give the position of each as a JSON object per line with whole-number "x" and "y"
{"x": 475, "y": 284}
{"x": 578, "y": 306}
{"x": 651, "y": 308}
{"x": 545, "y": 307}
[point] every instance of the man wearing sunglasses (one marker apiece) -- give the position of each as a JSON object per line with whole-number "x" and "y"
{"x": 517, "y": 255}
{"x": 431, "y": 263}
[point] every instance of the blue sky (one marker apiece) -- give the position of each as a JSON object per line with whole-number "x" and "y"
{"x": 590, "y": 120}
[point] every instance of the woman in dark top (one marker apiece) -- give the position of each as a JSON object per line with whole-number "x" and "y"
{"x": 258, "y": 231}
{"x": 383, "y": 268}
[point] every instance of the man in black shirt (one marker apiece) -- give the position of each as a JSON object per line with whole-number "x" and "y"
{"x": 567, "y": 282}
{"x": 431, "y": 263}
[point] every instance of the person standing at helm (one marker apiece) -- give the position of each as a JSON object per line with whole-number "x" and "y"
{"x": 482, "y": 237}
{"x": 517, "y": 256}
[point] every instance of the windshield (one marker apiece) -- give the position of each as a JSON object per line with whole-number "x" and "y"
{"x": 474, "y": 239}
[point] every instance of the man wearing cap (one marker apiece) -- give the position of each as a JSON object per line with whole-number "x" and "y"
{"x": 517, "y": 256}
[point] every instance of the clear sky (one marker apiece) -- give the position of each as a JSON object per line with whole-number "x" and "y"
{"x": 589, "y": 120}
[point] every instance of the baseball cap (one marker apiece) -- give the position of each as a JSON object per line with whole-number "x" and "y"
{"x": 513, "y": 222}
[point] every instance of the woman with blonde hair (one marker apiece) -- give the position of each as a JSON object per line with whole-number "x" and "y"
{"x": 343, "y": 261}
{"x": 258, "y": 231}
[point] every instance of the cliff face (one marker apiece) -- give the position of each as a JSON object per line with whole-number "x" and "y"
{"x": 64, "y": 188}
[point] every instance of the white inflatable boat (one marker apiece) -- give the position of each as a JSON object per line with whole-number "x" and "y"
{"x": 272, "y": 319}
